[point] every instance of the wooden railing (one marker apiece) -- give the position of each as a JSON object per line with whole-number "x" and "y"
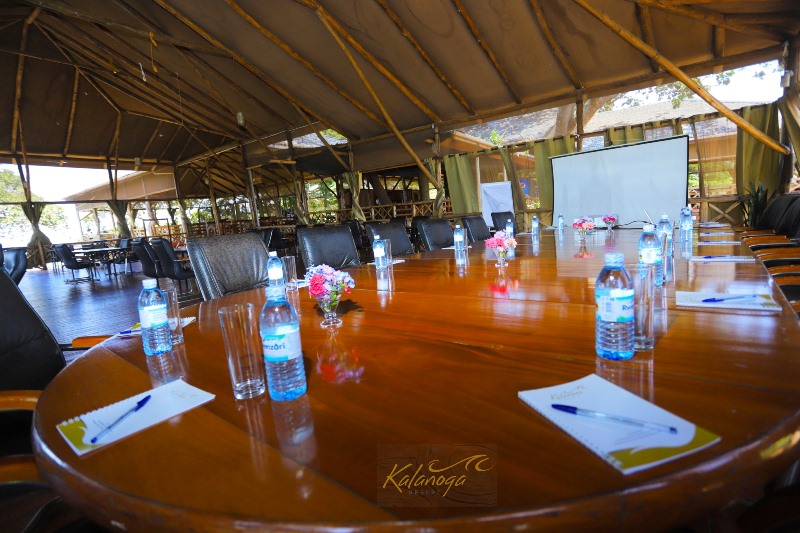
{"x": 381, "y": 212}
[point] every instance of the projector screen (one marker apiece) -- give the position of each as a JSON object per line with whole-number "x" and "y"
{"x": 623, "y": 180}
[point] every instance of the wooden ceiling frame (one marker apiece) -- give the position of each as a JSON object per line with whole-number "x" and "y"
{"x": 72, "y": 108}
{"x": 16, "y": 118}
{"x": 646, "y": 24}
{"x": 555, "y": 46}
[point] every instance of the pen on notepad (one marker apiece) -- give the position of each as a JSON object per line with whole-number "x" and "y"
{"x": 116, "y": 422}
{"x": 614, "y": 418}
{"x": 718, "y": 256}
{"x": 726, "y": 298}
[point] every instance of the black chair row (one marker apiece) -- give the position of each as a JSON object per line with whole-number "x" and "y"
{"x": 15, "y": 262}
{"x": 159, "y": 260}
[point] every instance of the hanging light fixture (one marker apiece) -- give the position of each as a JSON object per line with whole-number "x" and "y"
{"x": 240, "y": 118}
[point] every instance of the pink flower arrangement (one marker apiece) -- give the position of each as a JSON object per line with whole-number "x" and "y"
{"x": 610, "y": 220}
{"x": 500, "y": 241}
{"x": 327, "y": 284}
{"x": 583, "y": 224}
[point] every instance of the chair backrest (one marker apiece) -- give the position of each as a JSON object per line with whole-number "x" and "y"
{"x": 355, "y": 229}
{"x": 395, "y": 232}
{"x": 264, "y": 234}
{"x": 165, "y": 254}
{"x": 15, "y": 263}
{"x": 67, "y": 257}
{"x": 125, "y": 244}
{"x": 781, "y": 217}
{"x": 328, "y": 245}
{"x": 1, "y": 255}
{"x": 29, "y": 354}
{"x": 228, "y": 263}
{"x": 476, "y": 228}
{"x": 436, "y": 233}
{"x": 151, "y": 266}
{"x": 415, "y": 232}
{"x": 500, "y": 218}
{"x": 789, "y": 224}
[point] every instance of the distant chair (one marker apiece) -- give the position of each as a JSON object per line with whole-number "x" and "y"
{"x": 15, "y": 262}
{"x": 72, "y": 263}
{"x": 172, "y": 266}
{"x": 273, "y": 240}
{"x": 126, "y": 256}
{"x": 329, "y": 245}
{"x": 151, "y": 266}
{"x": 476, "y": 228}
{"x": 362, "y": 245}
{"x": 228, "y": 263}
{"x": 500, "y": 218}
{"x": 436, "y": 233}
{"x": 395, "y": 232}
{"x": 415, "y": 233}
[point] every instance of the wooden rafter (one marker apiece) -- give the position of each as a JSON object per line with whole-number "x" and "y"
{"x": 163, "y": 153}
{"x": 486, "y": 49}
{"x": 152, "y": 138}
{"x": 424, "y": 55}
{"x": 16, "y": 118}
{"x": 715, "y": 19}
{"x": 673, "y": 69}
{"x": 291, "y": 52}
{"x": 417, "y": 100}
{"x": 242, "y": 61}
{"x": 73, "y": 106}
{"x": 324, "y": 140}
{"x": 646, "y": 22}
{"x": 555, "y": 46}
{"x": 719, "y": 45}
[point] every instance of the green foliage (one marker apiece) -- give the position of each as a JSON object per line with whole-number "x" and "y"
{"x": 12, "y": 219}
{"x": 333, "y": 133}
{"x": 496, "y": 139}
{"x": 754, "y": 203}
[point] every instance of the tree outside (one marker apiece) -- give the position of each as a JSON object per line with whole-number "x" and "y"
{"x": 15, "y": 229}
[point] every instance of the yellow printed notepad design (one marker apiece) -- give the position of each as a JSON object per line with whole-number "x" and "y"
{"x": 626, "y": 447}
{"x": 165, "y": 402}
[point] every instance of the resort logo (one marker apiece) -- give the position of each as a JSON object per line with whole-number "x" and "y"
{"x": 431, "y": 475}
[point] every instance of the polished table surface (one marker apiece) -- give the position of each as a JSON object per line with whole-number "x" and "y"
{"x": 438, "y": 360}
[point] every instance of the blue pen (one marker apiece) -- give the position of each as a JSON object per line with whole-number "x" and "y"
{"x": 116, "y": 422}
{"x": 614, "y": 418}
{"x": 725, "y": 299}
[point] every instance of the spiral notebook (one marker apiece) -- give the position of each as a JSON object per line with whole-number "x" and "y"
{"x": 165, "y": 402}
{"x": 626, "y": 447}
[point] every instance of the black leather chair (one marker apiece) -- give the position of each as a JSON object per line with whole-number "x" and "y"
{"x": 395, "y": 232}
{"x": 415, "y": 232}
{"x": 500, "y": 218}
{"x": 475, "y": 228}
{"x": 15, "y": 262}
{"x": 362, "y": 244}
{"x": 436, "y": 234}
{"x": 328, "y": 245}
{"x": 273, "y": 239}
{"x": 125, "y": 256}
{"x": 171, "y": 265}
{"x": 151, "y": 266}
{"x": 228, "y": 263}
{"x": 72, "y": 263}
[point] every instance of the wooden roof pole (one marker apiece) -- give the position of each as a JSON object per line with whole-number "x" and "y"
{"x": 378, "y": 102}
{"x": 646, "y": 23}
{"x": 555, "y": 46}
{"x": 673, "y": 69}
{"x": 23, "y": 44}
{"x": 72, "y": 107}
{"x": 303, "y": 61}
{"x": 424, "y": 55}
{"x": 473, "y": 28}
{"x": 323, "y": 14}
{"x": 324, "y": 140}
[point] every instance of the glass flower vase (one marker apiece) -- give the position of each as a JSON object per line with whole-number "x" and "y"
{"x": 501, "y": 257}
{"x": 328, "y": 307}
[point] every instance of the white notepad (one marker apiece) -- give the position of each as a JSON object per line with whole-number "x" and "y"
{"x": 165, "y": 402}
{"x": 714, "y": 243}
{"x": 726, "y": 300}
{"x": 626, "y": 448}
{"x": 722, "y": 259}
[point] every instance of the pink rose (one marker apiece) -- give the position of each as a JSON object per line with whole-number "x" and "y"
{"x": 316, "y": 285}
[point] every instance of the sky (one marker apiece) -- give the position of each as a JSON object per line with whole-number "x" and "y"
{"x": 54, "y": 183}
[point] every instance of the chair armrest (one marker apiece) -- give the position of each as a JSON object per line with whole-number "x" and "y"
{"x": 19, "y": 399}
{"x": 18, "y": 469}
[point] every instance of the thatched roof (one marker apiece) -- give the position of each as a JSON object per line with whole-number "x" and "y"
{"x": 150, "y": 83}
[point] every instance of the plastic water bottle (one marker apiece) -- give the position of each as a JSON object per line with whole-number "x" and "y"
{"x": 535, "y": 225}
{"x": 560, "y": 222}
{"x": 156, "y": 338}
{"x": 509, "y": 228}
{"x": 458, "y": 239}
{"x": 614, "y": 326}
{"x": 685, "y": 224}
{"x": 280, "y": 336}
{"x": 379, "y": 252}
{"x": 651, "y": 253}
{"x": 665, "y": 228}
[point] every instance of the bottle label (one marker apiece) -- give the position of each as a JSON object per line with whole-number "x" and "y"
{"x": 651, "y": 256}
{"x": 278, "y": 348}
{"x": 615, "y": 305}
{"x": 275, "y": 273}
{"x": 378, "y": 252}
{"x": 458, "y": 238}
{"x": 153, "y": 316}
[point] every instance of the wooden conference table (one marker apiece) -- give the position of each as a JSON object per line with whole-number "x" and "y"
{"x": 438, "y": 360}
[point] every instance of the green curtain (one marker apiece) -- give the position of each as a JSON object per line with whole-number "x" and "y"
{"x": 623, "y": 135}
{"x": 33, "y": 212}
{"x": 789, "y": 106}
{"x": 542, "y": 152}
{"x": 354, "y": 182}
{"x": 756, "y": 162}
{"x": 120, "y": 209}
{"x": 461, "y": 184}
{"x": 511, "y": 172}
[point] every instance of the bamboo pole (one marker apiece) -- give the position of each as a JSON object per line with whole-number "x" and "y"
{"x": 555, "y": 46}
{"x": 23, "y": 45}
{"x": 323, "y": 139}
{"x": 73, "y": 106}
{"x": 378, "y": 102}
{"x": 487, "y": 50}
{"x": 673, "y": 69}
{"x": 646, "y": 23}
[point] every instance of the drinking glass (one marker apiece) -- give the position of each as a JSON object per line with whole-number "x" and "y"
{"x": 243, "y": 348}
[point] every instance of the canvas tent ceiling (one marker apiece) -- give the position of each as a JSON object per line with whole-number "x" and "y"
{"x": 151, "y": 83}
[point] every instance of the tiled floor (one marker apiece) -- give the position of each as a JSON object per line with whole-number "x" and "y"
{"x": 104, "y": 307}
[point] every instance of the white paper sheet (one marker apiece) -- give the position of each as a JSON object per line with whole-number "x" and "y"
{"x": 722, "y": 259}
{"x": 726, "y": 300}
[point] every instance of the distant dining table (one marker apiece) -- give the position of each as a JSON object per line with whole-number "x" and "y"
{"x": 434, "y": 360}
